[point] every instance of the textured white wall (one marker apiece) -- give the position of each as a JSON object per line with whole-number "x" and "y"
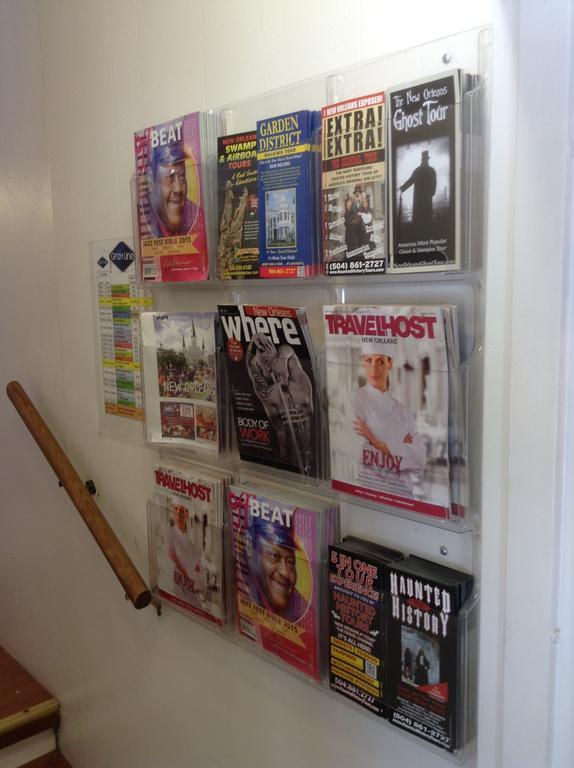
{"x": 533, "y": 329}
{"x": 39, "y": 617}
{"x": 77, "y": 79}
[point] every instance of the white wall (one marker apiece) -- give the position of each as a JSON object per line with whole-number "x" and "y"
{"x": 77, "y": 79}
{"x": 528, "y": 345}
{"x": 39, "y": 616}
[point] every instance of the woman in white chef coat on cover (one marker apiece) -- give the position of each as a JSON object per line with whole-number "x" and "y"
{"x": 389, "y": 447}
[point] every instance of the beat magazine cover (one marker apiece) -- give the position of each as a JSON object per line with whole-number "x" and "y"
{"x": 172, "y": 220}
{"x": 279, "y": 543}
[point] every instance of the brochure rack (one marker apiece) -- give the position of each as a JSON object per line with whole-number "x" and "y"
{"x": 452, "y": 540}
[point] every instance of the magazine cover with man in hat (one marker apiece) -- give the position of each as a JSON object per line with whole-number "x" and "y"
{"x": 276, "y": 561}
{"x": 388, "y": 395}
{"x": 171, "y": 219}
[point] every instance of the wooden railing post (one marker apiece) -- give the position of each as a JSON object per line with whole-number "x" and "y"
{"x": 115, "y": 554}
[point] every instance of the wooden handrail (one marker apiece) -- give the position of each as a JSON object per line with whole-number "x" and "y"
{"x": 115, "y": 554}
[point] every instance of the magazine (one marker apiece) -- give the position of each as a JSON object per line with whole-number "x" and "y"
{"x": 180, "y": 381}
{"x": 172, "y": 216}
{"x": 388, "y": 395}
{"x": 457, "y": 445}
{"x": 279, "y": 547}
{"x": 272, "y": 384}
{"x": 187, "y": 554}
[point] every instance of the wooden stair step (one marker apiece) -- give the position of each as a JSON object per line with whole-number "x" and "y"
{"x": 26, "y": 707}
{"x": 52, "y": 760}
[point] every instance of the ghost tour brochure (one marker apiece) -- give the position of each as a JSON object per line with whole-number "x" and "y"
{"x": 271, "y": 379}
{"x": 238, "y": 207}
{"x": 172, "y": 218}
{"x": 353, "y": 186}
{"x": 279, "y": 543}
{"x": 388, "y": 402}
{"x": 180, "y": 381}
{"x": 357, "y": 620}
{"x": 424, "y": 174}
{"x": 186, "y": 525}
{"x": 426, "y": 635}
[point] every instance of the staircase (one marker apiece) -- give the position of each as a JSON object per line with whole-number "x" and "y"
{"x": 29, "y": 718}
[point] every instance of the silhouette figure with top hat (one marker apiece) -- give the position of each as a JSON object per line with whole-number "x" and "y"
{"x": 423, "y": 178}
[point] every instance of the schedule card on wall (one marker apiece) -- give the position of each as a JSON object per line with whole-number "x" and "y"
{"x": 120, "y": 302}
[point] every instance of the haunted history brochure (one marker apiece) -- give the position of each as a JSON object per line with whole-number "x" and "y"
{"x": 425, "y": 673}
